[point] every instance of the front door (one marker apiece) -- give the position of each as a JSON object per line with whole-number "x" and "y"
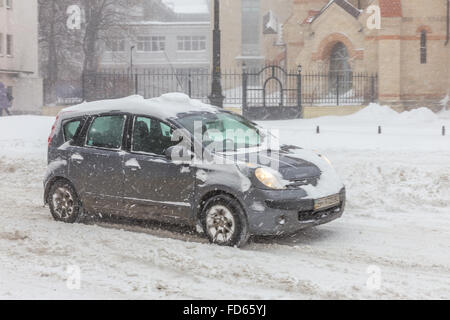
{"x": 96, "y": 166}
{"x": 155, "y": 187}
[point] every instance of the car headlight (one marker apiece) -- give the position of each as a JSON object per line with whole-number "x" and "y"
{"x": 268, "y": 178}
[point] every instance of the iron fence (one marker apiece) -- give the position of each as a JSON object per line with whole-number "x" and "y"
{"x": 269, "y": 87}
{"x": 337, "y": 89}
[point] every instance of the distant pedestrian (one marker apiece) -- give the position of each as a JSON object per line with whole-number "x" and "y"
{"x": 5, "y": 99}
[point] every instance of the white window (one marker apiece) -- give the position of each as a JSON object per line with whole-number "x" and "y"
{"x": 9, "y": 44}
{"x": 191, "y": 43}
{"x": 250, "y": 27}
{"x": 115, "y": 45}
{"x": 151, "y": 43}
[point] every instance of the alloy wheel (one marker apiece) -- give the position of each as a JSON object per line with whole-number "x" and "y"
{"x": 63, "y": 203}
{"x": 220, "y": 224}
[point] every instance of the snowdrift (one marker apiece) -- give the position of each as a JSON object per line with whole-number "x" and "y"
{"x": 404, "y": 169}
{"x": 397, "y": 220}
{"x": 25, "y": 136}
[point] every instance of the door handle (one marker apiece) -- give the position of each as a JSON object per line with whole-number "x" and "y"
{"x": 133, "y": 165}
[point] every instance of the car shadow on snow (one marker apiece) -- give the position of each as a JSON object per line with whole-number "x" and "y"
{"x": 186, "y": 233}
{"x": 154, "y": 228}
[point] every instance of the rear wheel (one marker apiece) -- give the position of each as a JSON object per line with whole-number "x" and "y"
{"x": 64, "y": 203}
{"x": 225, "y": 222}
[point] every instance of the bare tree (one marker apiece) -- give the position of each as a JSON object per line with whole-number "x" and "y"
{"x": 103, "y": 19}
{"x": 79, "y": 50}
{"x": 109, "y": 18}
{"x": 54, "y": 42}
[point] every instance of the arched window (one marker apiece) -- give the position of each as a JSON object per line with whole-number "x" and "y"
{"x": 423, "y": 47}
{"x": 341, "y": 75}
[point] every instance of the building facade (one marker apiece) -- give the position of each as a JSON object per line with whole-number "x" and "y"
{"x": 19, "y": 54}
{"x": 174, "y": 41}
{"x": 160, "y": 45}
{"x": 407, "y": 44}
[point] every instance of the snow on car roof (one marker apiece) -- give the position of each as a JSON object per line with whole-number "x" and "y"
{"x": 167, "y": 106}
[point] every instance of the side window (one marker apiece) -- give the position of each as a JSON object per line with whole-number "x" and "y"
{"x": 141, "y": 134}
{"x": 106, "y": 132}
{"x": 151, "y": 136}
{"x": 166, "y": 130}
{"x": 70, "y": 128}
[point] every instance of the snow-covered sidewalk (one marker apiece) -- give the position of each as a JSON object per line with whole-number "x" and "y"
{"x": 395, "y": 232}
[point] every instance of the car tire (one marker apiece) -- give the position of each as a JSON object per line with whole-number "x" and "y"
{"x": 224, "y": 221}
{"x": 64, "y": 203}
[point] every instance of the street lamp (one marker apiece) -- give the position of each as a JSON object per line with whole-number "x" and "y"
{"x": 131, "y": 58}
{"x": 244, "y": 67}
{"x": 299, "y": 91}
{"x": 216, "y": 98}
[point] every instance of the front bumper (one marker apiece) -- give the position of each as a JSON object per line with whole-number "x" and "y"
{"x": 273, "y": 212}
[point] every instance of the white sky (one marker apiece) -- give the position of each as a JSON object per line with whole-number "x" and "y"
{"x": 188, "y": 6}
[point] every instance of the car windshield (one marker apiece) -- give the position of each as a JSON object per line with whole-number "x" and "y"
{"x": 223, "y": 131}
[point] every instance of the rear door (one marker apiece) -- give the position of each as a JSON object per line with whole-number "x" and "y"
{"x": 155, "y": 187}
{"x": 96, "y": 163}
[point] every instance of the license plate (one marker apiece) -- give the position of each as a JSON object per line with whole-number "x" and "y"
{"x": 328, "y": 202}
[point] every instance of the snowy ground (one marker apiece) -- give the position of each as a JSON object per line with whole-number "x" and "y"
{"x": 396, "y": 228}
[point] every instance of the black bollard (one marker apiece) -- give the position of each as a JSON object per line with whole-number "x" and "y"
{"x": 379, "y": 129}
{"x": 318, "y": 130}
{"x": 443, "y": 131}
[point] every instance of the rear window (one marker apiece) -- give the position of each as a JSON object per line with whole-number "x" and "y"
{"x": 70, "y": 128}
{"x": 106, "y": 132}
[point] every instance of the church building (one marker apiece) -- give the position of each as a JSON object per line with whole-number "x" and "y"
{"x": 404, "y": 42}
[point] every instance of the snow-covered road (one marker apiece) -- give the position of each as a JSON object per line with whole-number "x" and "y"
{"x": 395, "y": 232}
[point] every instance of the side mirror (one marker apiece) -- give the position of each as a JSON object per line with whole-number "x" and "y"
{"x": 179, "y": 153}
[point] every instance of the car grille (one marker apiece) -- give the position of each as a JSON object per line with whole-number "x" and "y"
{"x": 297, "y": 183}
{"x": 317, "y": 215}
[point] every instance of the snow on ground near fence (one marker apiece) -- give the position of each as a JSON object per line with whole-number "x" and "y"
{"x": 417, "y": 130}
{"x": 25, "y": 136}
{"x": 405, "y": 168}
{"x": 397, "y": 220}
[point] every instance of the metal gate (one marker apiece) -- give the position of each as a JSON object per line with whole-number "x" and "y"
{"x": 272, "y": 94}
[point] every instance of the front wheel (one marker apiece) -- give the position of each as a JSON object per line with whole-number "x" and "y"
{"x": 225, "y": 222}
{"x": 64, "y": 203}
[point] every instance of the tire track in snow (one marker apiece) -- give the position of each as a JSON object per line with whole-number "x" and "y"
{"x": 31, "y": 243}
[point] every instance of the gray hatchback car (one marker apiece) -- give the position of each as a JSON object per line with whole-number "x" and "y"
{"x": 152, "y": 159}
